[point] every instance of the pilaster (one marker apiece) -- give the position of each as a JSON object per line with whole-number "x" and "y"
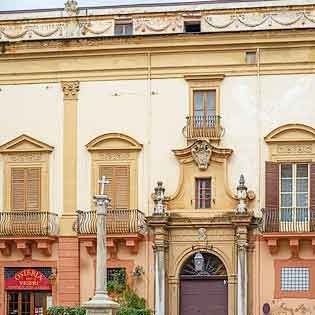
{"x": 70, "y": 99}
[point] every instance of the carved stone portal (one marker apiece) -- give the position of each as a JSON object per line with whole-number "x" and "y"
{"x": 201, "y": 153}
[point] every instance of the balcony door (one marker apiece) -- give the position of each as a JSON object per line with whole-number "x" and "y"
{"x": 204, "y": 108}
{"x": 294, "y": 197}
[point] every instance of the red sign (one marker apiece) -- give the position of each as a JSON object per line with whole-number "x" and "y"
{"x": 28, "y": 279}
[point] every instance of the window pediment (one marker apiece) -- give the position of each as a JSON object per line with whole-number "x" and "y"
{"x": 292, "y": 142}
{"x": 114, "y": 141}
{"x": 25, "y": 143}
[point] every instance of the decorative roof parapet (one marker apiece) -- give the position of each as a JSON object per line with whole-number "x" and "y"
{"x": 73, "y": 25}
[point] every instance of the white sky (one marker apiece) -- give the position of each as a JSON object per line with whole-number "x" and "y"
{"x": 44, "y": 4}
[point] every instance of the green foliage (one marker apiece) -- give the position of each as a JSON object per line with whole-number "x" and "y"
{"x": 61, "y": 310}
{"x": 119, "y": 282}
{"x": 132, "y": 304}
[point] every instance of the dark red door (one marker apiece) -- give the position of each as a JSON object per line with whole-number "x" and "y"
{"x": 204, "y": 297}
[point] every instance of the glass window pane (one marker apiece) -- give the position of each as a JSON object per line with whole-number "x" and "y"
{"x": 286, "y": 185}
{"x": 286, "y": 171}
{"x": 301, "y": 170}
{"x": 286, "y": 214}
{"x": 302, "y": 214}
{"x": 302, "y": 200}
{"x": 286, "y": 200}
{"x": 211, "y": 95}
{"x": 302, "y": 185}
{"x": 198, "y": 103}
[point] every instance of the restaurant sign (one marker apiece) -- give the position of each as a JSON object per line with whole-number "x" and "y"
{"x": 28, "y": 279}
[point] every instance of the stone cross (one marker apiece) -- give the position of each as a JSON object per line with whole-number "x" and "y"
{"x": 102, "y": 182}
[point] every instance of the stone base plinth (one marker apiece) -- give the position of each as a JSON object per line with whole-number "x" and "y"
{"x": 101, "y": 307}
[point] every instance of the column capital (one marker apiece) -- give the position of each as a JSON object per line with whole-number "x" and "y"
{"x": 70, "y": 89}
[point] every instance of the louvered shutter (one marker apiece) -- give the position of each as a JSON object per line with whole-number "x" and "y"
{"x": 312, "y": 195}
{"x": 118, "y": 188}
{"x": 272, "y": 186}
{"x": 33, "y": 185}
{"x": 25, "y": 189}
{"x": 108, "y": 172}
{"x": 18, "y": 196}
{"x": 121, "y": 176}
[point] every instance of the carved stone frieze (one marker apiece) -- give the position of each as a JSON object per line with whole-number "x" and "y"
{"x": 25, "y": 157}
{"x": 295, "y": 149}
{"x": 71, "y": 89}
{"x": 246, "y": 21}
{"x": 79, "y": 26}
{"x": 151, "y": 25}
{"x": 201, "y": 153}
{"x": 58, "y": 30}
{"x": 113, "y": 156}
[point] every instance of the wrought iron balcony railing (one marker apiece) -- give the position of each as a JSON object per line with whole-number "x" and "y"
{"x": 288, "y": 220}
{"x": 28, "y": 223}
{"x": 203, "y": 127}
{"x": 118, "y": 221}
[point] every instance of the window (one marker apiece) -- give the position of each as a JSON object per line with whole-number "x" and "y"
{"x": 294, "y": 192}
{"x": 25, "y": 189}
{"x": 192, "y": 27}
{"x": 204, "y": 108}
{"x": 118, "y": 187}
{"x": 117, "y": 275}
{"x": 123, "y": 29}
{"x": 295, "y": 279}
{"x": 203, "y": 193}
{"x": 251, "y": 57}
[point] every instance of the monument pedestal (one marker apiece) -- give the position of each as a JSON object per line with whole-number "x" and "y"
{"x": 101, "y": 307}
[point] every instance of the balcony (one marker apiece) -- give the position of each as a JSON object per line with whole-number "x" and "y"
{"x": 203, "y": 127}
{"x": 25, "y": 227}
{"x": 128, "y": 225}
{"x": 293, "y": 224}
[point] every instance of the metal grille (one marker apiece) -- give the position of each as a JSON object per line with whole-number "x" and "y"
{"x": 295, "y": 279}
{"x": 111, "y": 274}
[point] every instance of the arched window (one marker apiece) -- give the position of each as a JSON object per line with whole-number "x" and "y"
{"x": 203, "y": 264}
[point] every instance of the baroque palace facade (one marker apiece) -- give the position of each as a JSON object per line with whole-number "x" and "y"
{"x": 191, "y": 95}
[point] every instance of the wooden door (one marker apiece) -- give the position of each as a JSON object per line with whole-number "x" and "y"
{"x": 27, "y": 302}
{"x": 204, "y": 297}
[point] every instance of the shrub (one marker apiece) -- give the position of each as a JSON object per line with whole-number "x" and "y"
{"x": 61, "y": 310}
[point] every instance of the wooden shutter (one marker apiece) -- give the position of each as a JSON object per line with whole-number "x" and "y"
{"x": 312, "y": 195}
{"x": 272, "y": 186}
{"x": 18, "y": 196}
{"x": 25, "y": 189}
{"x": 108, "y": 172}
{"x": 33, "y": 185}
{"x": 119, "y": 186}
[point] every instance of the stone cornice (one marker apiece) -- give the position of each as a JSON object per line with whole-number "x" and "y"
{"x": 148, "y": 23}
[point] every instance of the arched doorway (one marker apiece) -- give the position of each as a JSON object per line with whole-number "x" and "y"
{"x": 203, "y": 286}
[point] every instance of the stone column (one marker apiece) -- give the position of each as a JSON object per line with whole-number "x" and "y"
{"x": 242, "y": 280}
{"x": 159, "y": 223}
{"x": 160, "y": 302}
{"x": 101, "y": 304}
